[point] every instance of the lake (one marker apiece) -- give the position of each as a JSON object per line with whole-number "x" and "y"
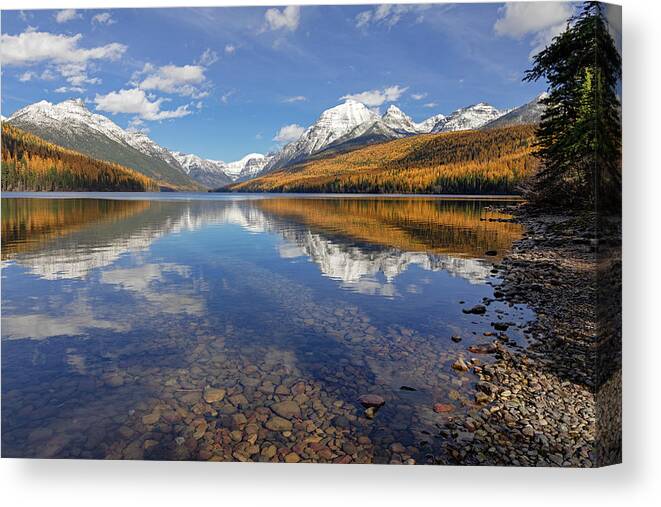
{"x": 245, "y": 327}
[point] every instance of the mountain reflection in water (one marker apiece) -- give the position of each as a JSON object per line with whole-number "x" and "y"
{"x": 351, "y": 240}
{"x": 118, "y": 312}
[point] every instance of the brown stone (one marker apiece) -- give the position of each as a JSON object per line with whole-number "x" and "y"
{"x": 277, "y": 423}
{"x": 214, "y": 394}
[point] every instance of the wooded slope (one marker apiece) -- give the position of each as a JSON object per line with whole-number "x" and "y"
{"x": 468, "y": 162}
{"x": 31, "y": 164}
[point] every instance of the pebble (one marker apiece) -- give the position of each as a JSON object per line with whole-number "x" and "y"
{"x": 292, "y": 457}
{"x": 460, "y": 365}
{"x": 287, "y": 409}
{"x": 442, "y": 408}
{"x": 477, "y": 310}
{"x": 277, "y": 423}
{"x": 213, "y": 394}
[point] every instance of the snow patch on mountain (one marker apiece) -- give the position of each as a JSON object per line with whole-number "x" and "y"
{"x": 468, "y": 118}
{"x": 426, "y": 126}
{"x": 527, "y": 113}
{"x": 332, "y": 124}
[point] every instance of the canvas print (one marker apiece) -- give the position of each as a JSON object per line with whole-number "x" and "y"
{"x": 356, "y": 234}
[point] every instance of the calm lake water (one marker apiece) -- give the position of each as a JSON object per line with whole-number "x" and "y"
{"x": 120, "y": 312}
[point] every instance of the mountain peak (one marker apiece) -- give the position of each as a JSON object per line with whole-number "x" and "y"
{"x": 348, "y": 107}
{"x": 393, "y": 110}
{"x": 78, "y": 102}
{"x": 468, "y": 118}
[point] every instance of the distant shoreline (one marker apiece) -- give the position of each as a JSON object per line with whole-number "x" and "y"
{"x": 223, "y": 195}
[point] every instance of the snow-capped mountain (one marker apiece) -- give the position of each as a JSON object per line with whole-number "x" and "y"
{"x": 211, "y": 173}
{"x": 527, "y": 113}
{"x": 331, "y": 125}
{"x": 352, "y": 124}
{"x": 144, "y": 144}
{"x": 394, "y": 124}
{"x": 216, "y": 173}
{"x": 426, "y": 126}
{"x": 248, "y": 167}
{"x": 396, "y": 120}
{"x": 468, "y": 118}
{"x": 71, "y": 125}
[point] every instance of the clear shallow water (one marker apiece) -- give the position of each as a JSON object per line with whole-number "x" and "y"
{"x": 118, "y": 310}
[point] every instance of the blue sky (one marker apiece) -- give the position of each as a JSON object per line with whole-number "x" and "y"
{"x": 222, "y": 82}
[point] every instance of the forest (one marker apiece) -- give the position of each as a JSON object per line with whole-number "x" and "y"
{"x": 467, "y": 162}
{"x": 31, "y": 164}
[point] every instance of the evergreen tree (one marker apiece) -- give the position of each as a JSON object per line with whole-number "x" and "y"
{"x": 579, "y": 137}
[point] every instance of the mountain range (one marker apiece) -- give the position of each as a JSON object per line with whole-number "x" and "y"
{"x": 341, "y": 128}
{"x": 72, "y": 125}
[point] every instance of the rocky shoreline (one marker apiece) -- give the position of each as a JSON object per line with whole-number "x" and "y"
{"x": 557, "y": 402}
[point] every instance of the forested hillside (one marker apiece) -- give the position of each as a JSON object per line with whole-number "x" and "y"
{"x": 31, "y": 164}
{"x": 468, "y": 162}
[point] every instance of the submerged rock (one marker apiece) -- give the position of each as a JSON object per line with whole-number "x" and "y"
{"x": 213, "y": 394}
{"x": 287, "y": 409}
{"x": 371, "y": 400}
{"x": 460, "y": 365}
{"x": 277, "y": 423}
{"x": 484, "y": 348}
{"x": 477, "y": 310}
{"x": 442, "y": 408}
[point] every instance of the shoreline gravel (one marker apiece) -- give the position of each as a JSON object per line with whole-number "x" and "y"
{"x": 556, "y": 402}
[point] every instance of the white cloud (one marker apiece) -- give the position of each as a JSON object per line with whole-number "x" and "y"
{"x": 418, "y": 96}
{"x": 289, "y": 133}
{"x": 230, "y": 49}
{"x": 521, "y": 18}
{"x": 389, "y": 14}
{"x": 26, "y": 76}
{"x": 69, "y": 89}
{"x": 103, "y": 18}
{"x": 135, "y": 101}
{"x": 181, "y": 80}
{"x": 66, "y": 15}
{"x": 32, "y": 47}
{"x": 259, "y": 136}
{"x": 226, "y": 96}
{"x": 542, "y": 20}
{"x": 209, "y": 57}
{"x": 430, "y": 105}
{"x": 374, "y": 98}
{"x": 296, "y": 98}
{"x": 285, "y": 19}
{"x": 48, "y": 75}
{"x": 76, "y": 74}
{"x": 61, "y": 53}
